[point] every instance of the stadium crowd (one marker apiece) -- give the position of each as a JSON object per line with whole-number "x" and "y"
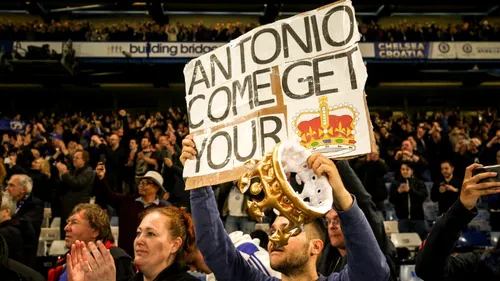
{"x": 125, "y": 31}
{"x": 129, "y": 163}
{"x": 223, "y": 32}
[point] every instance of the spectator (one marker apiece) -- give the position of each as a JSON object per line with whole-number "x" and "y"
{"x": 408, "y": 154}
{"x": 298, "y": 258}
{"x": 446, "y": 191}
{"x": 146, "y": 159}
{"x": 174, "y": 184}
{"x": 408, "y": 195}
{"x": 10, "y": 233}
{"x": 439, "y": 150}
{"x": 130, "y": 167}
{"x": 28, "y": 207}
{"x": 77, "y": 184}
{"x": 436, "y": 260}
{"x": 235, "y": 209}
{"x": 371, "y": 170}
{"x": 334, "y": 258}
{"x": 89, "y": 223}
{"x": 128, "y": 206}
{"x": 169, "y": 229}
{"x": 43, "y": 185}
{"x": 491, "y": 149}
{"x": 24, "y": 245}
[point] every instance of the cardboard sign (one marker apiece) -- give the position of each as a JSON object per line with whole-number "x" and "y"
{"x": 298, "y": 79}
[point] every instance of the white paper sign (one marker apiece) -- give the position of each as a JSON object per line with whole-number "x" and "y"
{"x": 301, "y": 79}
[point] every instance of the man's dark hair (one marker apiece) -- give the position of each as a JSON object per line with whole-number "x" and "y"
{"x": 85, "y": 156}
{"x": 449, "y": 162}
{"x": 318, "y": 230}
{"x": 98, "y": 220}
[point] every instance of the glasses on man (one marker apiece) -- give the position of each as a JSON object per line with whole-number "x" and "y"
{"x": 334, "y": 222}
{"x": 146, "y": 182}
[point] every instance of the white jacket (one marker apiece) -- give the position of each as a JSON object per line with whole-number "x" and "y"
{"x": 250, "y": 250}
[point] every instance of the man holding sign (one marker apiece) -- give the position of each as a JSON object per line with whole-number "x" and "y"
{"x": 297, "y": 260}
{"x": 300, "y": 79}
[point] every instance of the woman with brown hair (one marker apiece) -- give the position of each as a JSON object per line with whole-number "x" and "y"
{"x": 164, "y": 236}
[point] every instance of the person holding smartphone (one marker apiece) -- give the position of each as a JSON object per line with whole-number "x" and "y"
{"x": 408, "y": 195}
{"x": 446, "y": 191}
{"x": 436, "y": 260}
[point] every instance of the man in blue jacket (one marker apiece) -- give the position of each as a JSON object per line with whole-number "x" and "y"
{"x": 297, "y": 260}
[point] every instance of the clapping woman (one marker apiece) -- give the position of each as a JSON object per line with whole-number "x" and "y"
{"x": 164, "y": 236}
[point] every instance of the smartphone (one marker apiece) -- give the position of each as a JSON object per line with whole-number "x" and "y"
{"x": 485, "y": 169}
{"x": 102, "y": 159}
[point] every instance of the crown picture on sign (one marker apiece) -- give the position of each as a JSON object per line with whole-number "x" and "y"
{"x": 327, "y": 129}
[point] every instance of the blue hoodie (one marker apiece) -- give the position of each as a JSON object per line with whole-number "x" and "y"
{"x": 365, "y": 261}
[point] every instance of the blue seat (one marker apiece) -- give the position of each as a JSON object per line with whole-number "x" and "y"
{"x": 494, "y": 237}
{"x": 431, "y": 210}
{"x": 473, "y": 238}
{"x": 429, "y": 185}
{"x": 114, "y": 221}
{"x": 407, "y": 273}
{"x": 389, "y": 176}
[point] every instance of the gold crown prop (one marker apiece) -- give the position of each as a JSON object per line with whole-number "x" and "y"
{"x": 269, "y": 176}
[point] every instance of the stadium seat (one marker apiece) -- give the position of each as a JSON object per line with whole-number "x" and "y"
{"x": 390, "y": 215}
{"x": 494, "y": 236}
{"x": 57, "y": 248}
{"x": 407, "y": 273}
{"x": 50, "y": 234}
{"x": 114, "y": 231}
{"x": 56, "y": 222}
{"x": 482, "y": 214}
{"x": 473, "y": 238}
{"x": 42, "y": 248}
{"x": 429, "y": 185}
{"x": 45, "y": 222}
{"x": 479, "y": 225}
{"x": 47, "y": 212}
{"x": 391, "y": 227}
{"x": 114, "y": 221}
{"x": 431, "y": 210}
{"x": 388, "y": 186}
{"x": 389, "y": 176}
{"x": 406, "y": 240}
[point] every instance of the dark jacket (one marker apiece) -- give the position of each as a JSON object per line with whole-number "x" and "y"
{"x": 371, "y": 174}
{"x": 78, "y": 187}
{"x": 436, "y": 261}
{"x": 409, "y": 205}
{"x": 174, "y": 272}
{"x": 366, "y": 261}
{"x": 32, "y": 211}
{"x": 26, "y": 273}
{"x": 42, "y": 186}
{"x": 13, "y": 238}
{"x": 446, "y": 199}
{"x": 174, "y": 184}
{"x": 13, "y": 270}
{"x": 331, "y": 260}
{"x": 128, "y": 210}
{"x": 30, "y": 243}
{"x": 115, "y": 161}
{"x": 123, "y": 263}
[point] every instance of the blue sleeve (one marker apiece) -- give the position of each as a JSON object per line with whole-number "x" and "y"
{"x": 214, "y": 243}
{"x": 365, "y": 260}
